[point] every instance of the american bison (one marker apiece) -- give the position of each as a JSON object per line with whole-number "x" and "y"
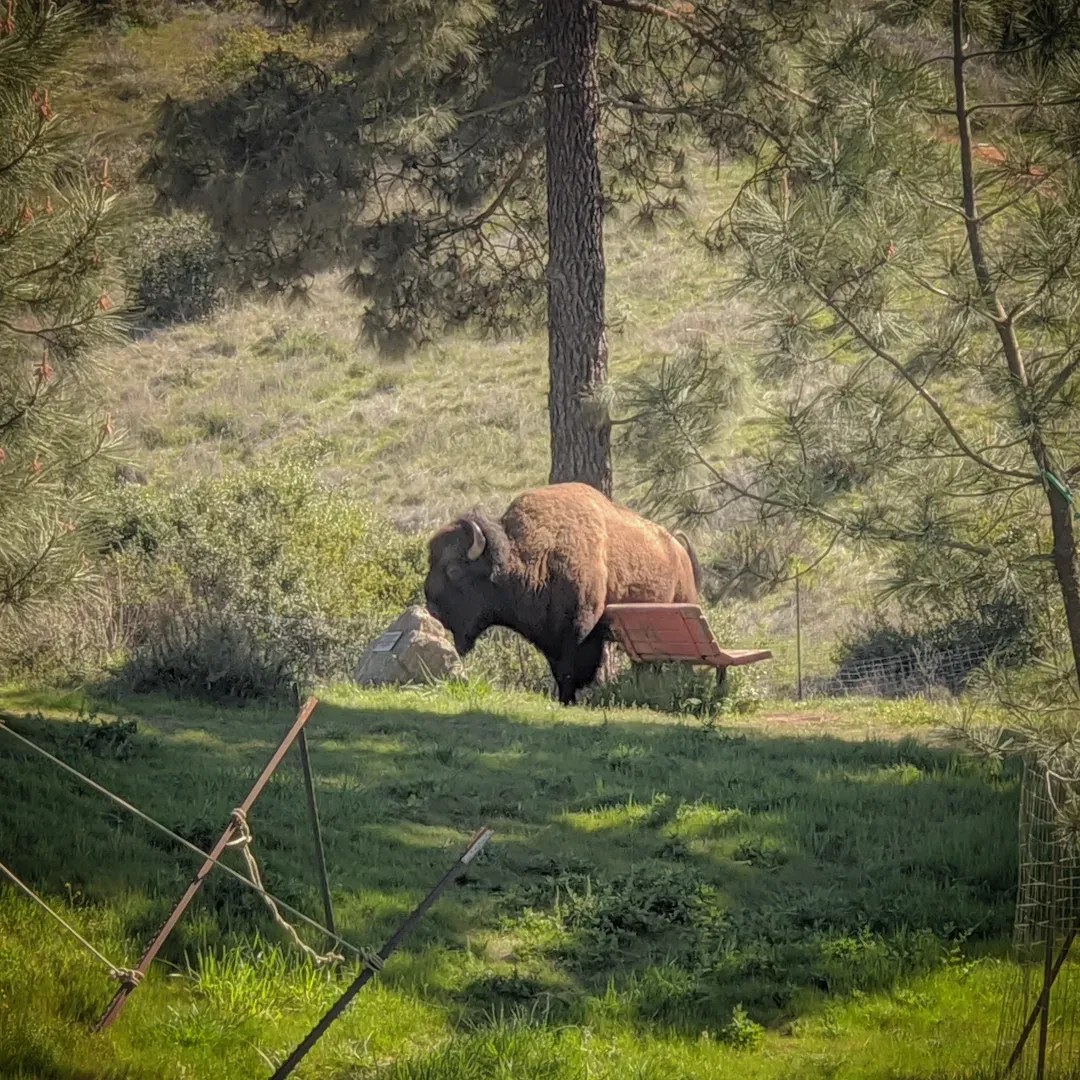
{"x": 548, "y": 568}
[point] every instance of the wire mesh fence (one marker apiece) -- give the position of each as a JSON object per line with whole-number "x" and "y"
{"x": 901, "y": 674}
{"x": 1039, "y": 1034}
{"x": 803, "y": 636}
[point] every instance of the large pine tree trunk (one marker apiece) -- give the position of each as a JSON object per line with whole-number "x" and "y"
{"x": 577, "y": 343}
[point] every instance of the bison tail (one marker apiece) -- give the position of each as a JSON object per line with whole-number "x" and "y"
{"x": 685, "y": 541}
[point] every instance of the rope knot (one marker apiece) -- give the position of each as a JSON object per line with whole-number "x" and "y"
{"x": 240, "y": 821}
{"x": 243, "y": 843}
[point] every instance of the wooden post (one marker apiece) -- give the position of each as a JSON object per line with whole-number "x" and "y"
{"x": 798, "y": 638}
{"x": 1048, "y": 973}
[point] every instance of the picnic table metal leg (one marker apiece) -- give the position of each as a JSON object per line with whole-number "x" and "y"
{"x": 721, "y": 675}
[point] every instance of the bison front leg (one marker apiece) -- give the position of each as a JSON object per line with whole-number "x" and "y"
{"x": 564, "y": 671}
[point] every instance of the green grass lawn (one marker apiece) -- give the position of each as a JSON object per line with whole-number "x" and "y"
{"x": 826, "y": 870}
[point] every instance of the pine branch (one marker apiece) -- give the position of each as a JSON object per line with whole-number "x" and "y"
{"x": 850, "y": 528}
{"x": 939, "y": 410}
{"x": 643, "y": 7}
{"x": 1054, "y": 103}
{"x": 697, "y": 112}
{"x": 1032, "y": 185}
{"x": 1057, "y": 383}
{"x": 31, "y": 145}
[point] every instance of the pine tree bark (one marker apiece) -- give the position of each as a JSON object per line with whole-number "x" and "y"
{"x": 577, "y": 341}
{"x": 1066, "y": 553}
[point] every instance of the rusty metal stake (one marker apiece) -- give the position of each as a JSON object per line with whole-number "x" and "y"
{"x": 1042, "y": 1003}
{"x": 154, "y": 947}
{"x": 320, "y": 852}
{"x": 476, "y": 845}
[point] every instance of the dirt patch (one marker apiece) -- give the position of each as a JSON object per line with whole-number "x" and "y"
{"x": 799, "y": 718}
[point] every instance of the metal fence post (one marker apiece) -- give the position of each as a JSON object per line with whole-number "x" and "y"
{"x": 798, "y": 638}
{"x": 320, "y": 853}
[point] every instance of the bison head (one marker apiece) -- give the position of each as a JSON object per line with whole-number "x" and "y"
{"x": 459, "y": 589}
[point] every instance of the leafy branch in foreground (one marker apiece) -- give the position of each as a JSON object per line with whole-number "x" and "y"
{"x": 915, "y": 281}
{"x": 58, "y": 294}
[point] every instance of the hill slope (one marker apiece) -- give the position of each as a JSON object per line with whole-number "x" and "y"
{"x": 461, "y": 420}
{"x": 459, "y": 423}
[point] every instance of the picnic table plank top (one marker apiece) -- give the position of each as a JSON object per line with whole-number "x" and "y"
{"x": 654, "y": 633}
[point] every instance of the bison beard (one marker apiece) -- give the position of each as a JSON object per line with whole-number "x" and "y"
{"x": 547, "y": 570}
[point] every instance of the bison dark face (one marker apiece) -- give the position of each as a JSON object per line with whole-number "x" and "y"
{"x": 458, "y": 588}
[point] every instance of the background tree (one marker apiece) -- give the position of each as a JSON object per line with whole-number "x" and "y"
{"x": 417, "y": 161}
{"x": 577, "y": 338}
{"x": 58, "y": 230}
{"x": 913, "y": 245}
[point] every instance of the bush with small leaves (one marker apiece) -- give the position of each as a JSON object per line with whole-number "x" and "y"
{"x": 246, "y": 586}
{"x": 125, "y": 14}
{"x": 243, "y": 47}
{"x": 507, "y": 661}
{"x": 740, "y": 1032}
{"x": 174, "y": 270}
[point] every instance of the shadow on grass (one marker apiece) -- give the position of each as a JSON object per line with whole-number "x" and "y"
{"x": 654, "y": 870}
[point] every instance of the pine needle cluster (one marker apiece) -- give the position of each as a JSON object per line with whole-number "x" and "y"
{"x": 59, "y": 295}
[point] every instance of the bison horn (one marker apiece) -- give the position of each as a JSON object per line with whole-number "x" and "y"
{"x": 479, "y": 542}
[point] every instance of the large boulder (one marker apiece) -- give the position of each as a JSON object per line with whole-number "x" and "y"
{"x": 416, "y": 648}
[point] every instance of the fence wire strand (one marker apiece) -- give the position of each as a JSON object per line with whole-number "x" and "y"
{"x": 128, "y": 976}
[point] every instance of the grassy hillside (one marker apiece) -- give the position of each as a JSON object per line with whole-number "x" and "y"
{"x": 656, "y": 890}
{"x": 462, "y": 420}
{"x": 459, "y": 421}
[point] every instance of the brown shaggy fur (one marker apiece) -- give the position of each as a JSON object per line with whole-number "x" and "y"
{"x": 613, "y": 555}
{"x": 549, "y": 567}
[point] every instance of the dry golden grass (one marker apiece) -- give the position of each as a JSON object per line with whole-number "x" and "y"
{"x": 458, "y": 422}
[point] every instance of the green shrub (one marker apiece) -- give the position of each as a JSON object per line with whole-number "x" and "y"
{"x": 174, "y": 269}
{"x": 680, "y": 688}
{"x": 740, "y": 1032}
{"x": 507, "y": 661}
{"x": 243, "y": 47}
{"x": 244, "y": 586}
{"x": 124, "y": 14}
{"x": 675, "y": 688}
